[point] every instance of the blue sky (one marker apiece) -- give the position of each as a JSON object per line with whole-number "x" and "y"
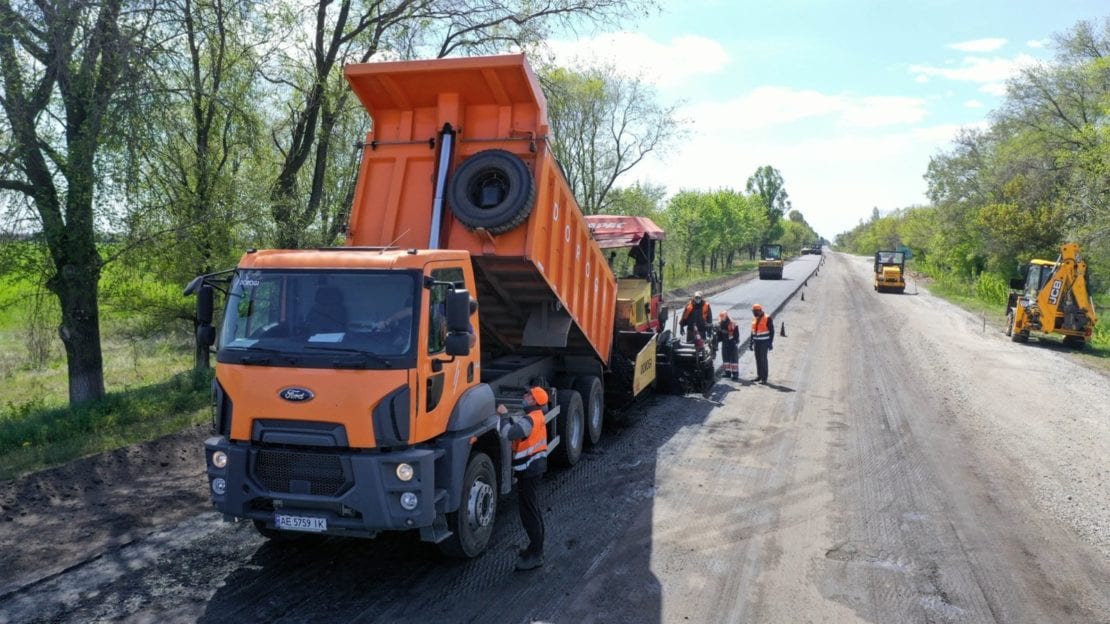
{"x": 848, "y": 99}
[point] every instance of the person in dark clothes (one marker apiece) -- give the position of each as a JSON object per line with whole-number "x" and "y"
{"x": 696, "y": 318}
{"x": 728, "y": 335}
{"x": 762, "y": 341}
{"x": 528, "y": 433}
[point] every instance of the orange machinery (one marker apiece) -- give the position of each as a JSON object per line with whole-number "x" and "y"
{"x": 356, "y": 386}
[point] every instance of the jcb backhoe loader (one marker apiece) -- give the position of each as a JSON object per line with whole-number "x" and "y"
{"x": 1053, "y": 299}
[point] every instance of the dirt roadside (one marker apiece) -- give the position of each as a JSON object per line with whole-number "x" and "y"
{"x": 54, "y": 519}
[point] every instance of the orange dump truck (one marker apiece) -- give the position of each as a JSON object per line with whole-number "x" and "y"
{"x": 356, "y": 386}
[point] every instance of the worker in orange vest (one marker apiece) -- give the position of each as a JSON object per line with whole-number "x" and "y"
{"x": 728, "y": 336}
{"x": 762, "y": 341}
{"x": 528, "y": 433}
{"x": 696, "y": 318}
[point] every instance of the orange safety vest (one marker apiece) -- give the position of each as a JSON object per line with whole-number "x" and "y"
{"x": 690, "y": 308}
{"x": 760, "y": 331}
{"x": 533, "y": 447}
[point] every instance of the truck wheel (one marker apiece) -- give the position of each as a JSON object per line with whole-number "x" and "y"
{"x": 472, "y": 525}
{"x": 594, "y": 397}
{"x": 1010, "y": 323}
{"x": 492, "y": 189}
{"x": 570, "y": 427}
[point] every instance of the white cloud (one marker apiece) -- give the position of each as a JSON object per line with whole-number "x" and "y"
{"x": 978, "y": 69}
{"x": 634, "y": 54}
{"x": 1038, "y": 43}
{"x": 973, "y": 104}
{"x": 770, "y": 106}
{"x": 978, "y": 45}
{"x": 994, "y": 88}
{"x": 921, "y": 78}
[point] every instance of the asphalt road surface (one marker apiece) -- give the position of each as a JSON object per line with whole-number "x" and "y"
{"x": 906, "y": 464}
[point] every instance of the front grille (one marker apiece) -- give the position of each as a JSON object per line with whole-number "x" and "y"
{"x": 289, "y": 471}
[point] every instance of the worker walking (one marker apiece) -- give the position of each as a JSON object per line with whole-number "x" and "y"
{"x": 696, "y": 318}
{"x": 762, "y": 341}
{"x": 728, "y": 335}
{"x": 529, "y": 446}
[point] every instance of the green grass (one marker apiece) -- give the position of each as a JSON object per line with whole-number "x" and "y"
{"x": 680, "y": 279}
{"x": 34, "y": 436}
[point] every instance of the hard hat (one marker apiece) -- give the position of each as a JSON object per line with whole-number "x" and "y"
{"x": 539, "y": 395}
{"x": 756, "y": 306}
{"x": 697, "y": 295}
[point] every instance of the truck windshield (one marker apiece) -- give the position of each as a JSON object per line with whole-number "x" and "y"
{"x": 316, "y": 318}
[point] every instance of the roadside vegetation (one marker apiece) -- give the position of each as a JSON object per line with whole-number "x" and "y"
{"x": 1035, "y": 177}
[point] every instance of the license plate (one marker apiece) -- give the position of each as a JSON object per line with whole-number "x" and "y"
{"x": 301, "y": 523}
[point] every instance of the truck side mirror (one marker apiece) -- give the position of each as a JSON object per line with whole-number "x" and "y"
{"x": 458, "y": 312}
{"x": 205, "y": 304}
{"x": 458, "y": 345}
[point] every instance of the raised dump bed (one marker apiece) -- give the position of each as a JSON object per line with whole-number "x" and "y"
{"x": 477, "y": 130}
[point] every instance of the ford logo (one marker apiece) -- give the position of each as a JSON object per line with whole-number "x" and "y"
{"x": 296, "y": 395}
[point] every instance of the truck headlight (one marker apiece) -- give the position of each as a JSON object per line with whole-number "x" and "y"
{"x": 409, "y": 501}
{"x": 219, "y": 486}
{"x": 219, "y": 459}
{"x": 405, "y": 472}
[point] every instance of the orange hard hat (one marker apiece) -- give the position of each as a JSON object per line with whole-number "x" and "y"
{"x": 539, "y": 395}
{"x": 756, "y": 306}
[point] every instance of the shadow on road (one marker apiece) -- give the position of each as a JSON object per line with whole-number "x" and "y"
{"x": 599, "y": 518}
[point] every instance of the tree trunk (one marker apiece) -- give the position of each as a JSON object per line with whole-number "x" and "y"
{"x": 76, "y": 289}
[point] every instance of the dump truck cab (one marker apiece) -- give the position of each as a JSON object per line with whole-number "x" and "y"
{"x": 1053, "y": 298}
{"x": 770, "y": 262}
{"x": 890, "y": 271}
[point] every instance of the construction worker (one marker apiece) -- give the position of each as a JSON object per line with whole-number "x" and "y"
{"x": 529, "y": 445}
{"x": 728, "y": 335}
{"x": 696, "y": 318}
{"x": 762, "y": 341}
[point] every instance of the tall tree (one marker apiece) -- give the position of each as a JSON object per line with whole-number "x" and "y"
{"x": 63, "y": 65}
{"x": 768, "y": 184}
{"x": 638, "y": 200}
{"x": 604, "y": 124}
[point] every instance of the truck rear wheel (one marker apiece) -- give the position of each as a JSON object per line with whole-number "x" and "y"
{"x": 472, "y": 524}
{"x": 570, "y": 427}
{"x": 492, "y": 189}
{"x": 593, "y": 396}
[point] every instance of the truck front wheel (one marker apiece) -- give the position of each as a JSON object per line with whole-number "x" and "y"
{"x": 570, "y": 428}
{"x": 472, "y": 525}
